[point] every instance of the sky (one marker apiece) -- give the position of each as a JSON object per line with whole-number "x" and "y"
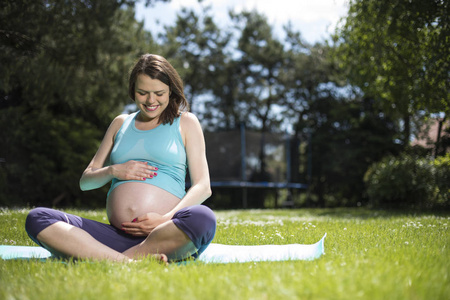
{"x": 315, "y": 19}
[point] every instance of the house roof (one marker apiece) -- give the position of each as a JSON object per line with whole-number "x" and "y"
{"x": 428, "y": 134}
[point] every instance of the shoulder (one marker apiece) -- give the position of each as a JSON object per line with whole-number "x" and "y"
{"x": 188, "y": 117}
{"x": 190, "y": 126}
{"x": 189, "y": 121}
{"x": 117, "y": 123}
{"x": 121, "y": 118}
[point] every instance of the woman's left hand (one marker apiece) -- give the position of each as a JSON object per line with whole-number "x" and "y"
{"x": 143, "y": 225}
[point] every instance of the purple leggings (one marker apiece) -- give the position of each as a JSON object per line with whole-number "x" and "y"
{"x": 198, "y": 222}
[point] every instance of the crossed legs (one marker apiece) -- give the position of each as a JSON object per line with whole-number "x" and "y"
{"x": 166, "y": 242}
{"x": 167, "y": 238}
{"x": 188, "y": 233}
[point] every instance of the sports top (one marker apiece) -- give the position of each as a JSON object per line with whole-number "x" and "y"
{"x": 161, "y": 147}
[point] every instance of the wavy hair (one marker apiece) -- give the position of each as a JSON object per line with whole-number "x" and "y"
{"x": 157, "y": 67}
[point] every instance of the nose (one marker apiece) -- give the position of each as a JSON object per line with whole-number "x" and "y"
{"x": 150, "y": 97}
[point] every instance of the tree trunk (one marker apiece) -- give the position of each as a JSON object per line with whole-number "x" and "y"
{"x": 438, "y": 138}
{"x": 407, "y": 129}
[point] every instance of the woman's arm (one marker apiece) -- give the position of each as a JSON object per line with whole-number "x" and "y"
{"x": 194, "y": 141}
{"x": 97, "y": 174}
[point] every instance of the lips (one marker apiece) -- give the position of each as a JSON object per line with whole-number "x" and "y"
{"x": 151, "y": 108}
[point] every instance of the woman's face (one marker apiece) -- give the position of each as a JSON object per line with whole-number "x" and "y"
{"x": 151, "y": 97}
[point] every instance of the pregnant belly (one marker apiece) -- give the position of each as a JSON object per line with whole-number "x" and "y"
{"x": 134, "y": 199}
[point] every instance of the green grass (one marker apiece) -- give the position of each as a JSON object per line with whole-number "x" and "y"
{"x": 368, "y": 255}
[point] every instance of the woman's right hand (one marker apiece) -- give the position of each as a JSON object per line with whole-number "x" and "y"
{"x": 133, "y": 170}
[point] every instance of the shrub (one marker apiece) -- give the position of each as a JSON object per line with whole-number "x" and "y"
{"x": 442, "y": 166}
{"x": 399, "y": 182}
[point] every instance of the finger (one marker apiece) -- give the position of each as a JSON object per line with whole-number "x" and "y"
{"x": 130, "y": 230}
{"x": 139, "y": 234}
{"x": 150, "y": 167}
{"x": 148, "y": 175}
{"x": 140, "y": 176}
{"x": 142, "y": 218}
{"x": 135, "y": 232}
{"x": 129, "y": 225}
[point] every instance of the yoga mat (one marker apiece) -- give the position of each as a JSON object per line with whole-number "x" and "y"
{"x": 215, "y": 253}
{"x": 23, "y": 252}
{"x": 218, "y": 253}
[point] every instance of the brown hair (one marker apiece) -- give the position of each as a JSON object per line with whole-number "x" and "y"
{"x": 157, "y": 67}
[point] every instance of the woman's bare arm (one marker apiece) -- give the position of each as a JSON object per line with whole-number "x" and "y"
{"x": 98, "y": 173}
{"x": 194, "y": 140}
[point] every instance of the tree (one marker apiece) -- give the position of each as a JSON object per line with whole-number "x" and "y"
{"x": 398, "y": 52}
{"x": 308, "y": 80}
{"x": 196, "y": 45}
{"x": 63, "y": 78}
{"x": 260, "y": 63}
{"x": 343, "y": 131}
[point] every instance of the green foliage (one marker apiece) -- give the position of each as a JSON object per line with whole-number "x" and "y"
{"x": 260, "y": 63}
{"x": 344, "y": 145}
{"x": 47, "y": 156}
{"x": 408, "y": 181}
{"x": 196, "y": 47}
{"x": 398, "y": 51}
{"x": 63, "y": 67}
{"x": 62, "y": 80}
{"x": 442, "y": 165}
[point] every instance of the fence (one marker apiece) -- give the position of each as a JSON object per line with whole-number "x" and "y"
{"x": 247, "y": 159}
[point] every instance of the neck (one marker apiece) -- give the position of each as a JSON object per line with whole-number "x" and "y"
{"x": 145, "y": 123}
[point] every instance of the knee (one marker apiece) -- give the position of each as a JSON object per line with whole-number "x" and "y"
{"x": 198, "y": 222}
{"x": 37, "y": 219}
{"x": 33, "y": 216}
{"x": 204, "y": 213}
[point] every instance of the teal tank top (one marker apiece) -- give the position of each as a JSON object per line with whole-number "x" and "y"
{"x": 161, "y": 147}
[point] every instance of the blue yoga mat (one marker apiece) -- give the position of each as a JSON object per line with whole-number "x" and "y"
{"x": 215, "y": 253}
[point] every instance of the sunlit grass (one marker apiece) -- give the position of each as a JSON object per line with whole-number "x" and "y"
{"x": 368, "y": 255}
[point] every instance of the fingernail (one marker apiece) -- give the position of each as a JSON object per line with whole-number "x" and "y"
{"x": 134, "y": 220}
{"x": 156, "y": 169}
{"x": 155, "y": 174}
{"x": 151, "y": 176}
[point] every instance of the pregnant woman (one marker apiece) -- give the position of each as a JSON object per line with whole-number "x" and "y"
{"x": 145, "y": 154}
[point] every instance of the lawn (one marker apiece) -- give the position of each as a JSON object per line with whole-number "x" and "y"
{"x": 368, "y": 255}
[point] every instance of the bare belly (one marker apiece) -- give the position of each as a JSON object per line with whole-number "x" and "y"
{"x": 134, "y": 199}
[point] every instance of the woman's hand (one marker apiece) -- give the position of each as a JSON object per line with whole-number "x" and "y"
{"x": 133, "y": 170}
{"x": 144, "y": 225}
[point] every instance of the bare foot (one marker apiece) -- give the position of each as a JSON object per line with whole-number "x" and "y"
{"x": 162, "y": 258}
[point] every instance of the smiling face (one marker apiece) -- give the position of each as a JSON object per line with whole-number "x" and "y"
{"x": 151, "y": 97}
